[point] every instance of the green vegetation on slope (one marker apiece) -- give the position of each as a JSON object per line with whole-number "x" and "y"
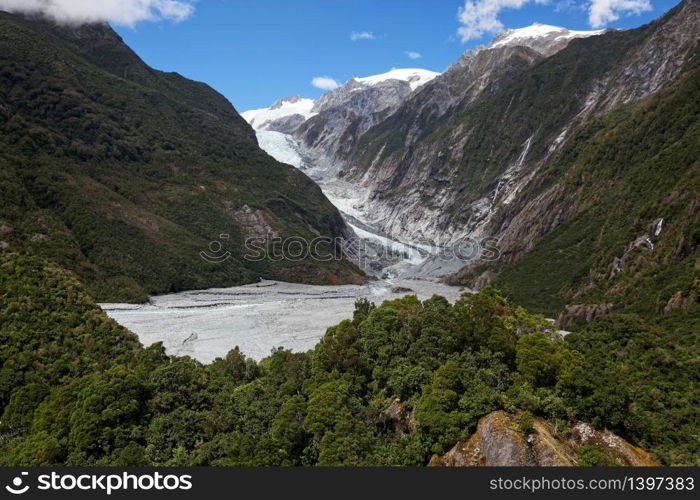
{"x": 617, "y": 177}
{"x": 472, "y": 145}
{"x": 621, "y": 173}
{"x": 124, "y": 174}
{"x": 81, "y": 392}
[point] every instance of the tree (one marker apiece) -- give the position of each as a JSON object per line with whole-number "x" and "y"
{"x": 107, "y": 412}
{"x": 340, "y": 349}
{"x": 437, "y": 411}
{"x": 328, "y": 404}
{"x": 538, "y": 359}
{"x": 19, "y": 413}
{"x": 288, "y": 430}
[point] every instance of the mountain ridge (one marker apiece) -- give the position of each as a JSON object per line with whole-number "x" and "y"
{"x": 126, "y": 174}
{"x": 544, "y": 38}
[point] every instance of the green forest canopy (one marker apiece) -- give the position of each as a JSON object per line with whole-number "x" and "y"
{"x": 76, "y": 388}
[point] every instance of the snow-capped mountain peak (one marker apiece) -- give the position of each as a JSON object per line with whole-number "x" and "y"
{"x": 414, "y": 76}
{"x": 287, "y": 112}
{"x": 544, "y": 38}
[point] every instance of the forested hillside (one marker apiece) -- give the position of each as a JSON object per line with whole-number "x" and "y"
{"x": 394, "y": 385}
{"x": 615, "y": 218}
{"x": 124, "y": 174}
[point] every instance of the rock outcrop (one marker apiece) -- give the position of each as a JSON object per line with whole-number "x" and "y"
{"x": 398, "y": 417}
{"x": 458, "y": 156}
{"x": 344, "y": 114}
{"x": 680, "y": 301}
{"x": 583, "y": 313}
{"x": 498, "y": 441}
{"x": 583, "y": 434}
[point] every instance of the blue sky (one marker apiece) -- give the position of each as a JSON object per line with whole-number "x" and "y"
{"x": 254, "y": 51}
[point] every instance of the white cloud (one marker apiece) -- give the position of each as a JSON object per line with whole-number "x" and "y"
{"x": 413, "y": 55}
{"x": 480, "y": 17}
{"x": 361, "y": 35}
{"x": 602, "y": 12}
{"x": 124, "y": 12}
{"x": 325, "y": 83}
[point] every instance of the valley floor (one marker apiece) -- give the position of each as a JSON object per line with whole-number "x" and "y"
{"x": 206, "y": 324}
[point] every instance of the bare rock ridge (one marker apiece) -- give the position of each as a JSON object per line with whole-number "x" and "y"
{"x": 499, "y": 441}
{"x": 471, "y": 140}
{"x": 328, "y": 126}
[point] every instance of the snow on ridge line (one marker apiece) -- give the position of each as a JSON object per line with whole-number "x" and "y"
{"x": 257, "y": 118}
{"x": 538, "y": 30}
{"x": 414, "y": 76}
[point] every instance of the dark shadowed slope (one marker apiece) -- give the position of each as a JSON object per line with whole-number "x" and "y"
{"x": 124, "y": 174}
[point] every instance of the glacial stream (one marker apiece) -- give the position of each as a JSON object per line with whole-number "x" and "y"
{"x": 206, "y": 324}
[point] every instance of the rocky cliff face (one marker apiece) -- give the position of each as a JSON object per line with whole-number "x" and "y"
{"x": 487, "y": 68}
{"x": 578, "y": 212}
{"x": 384, "y": 178}
{"x": 474, "y": 154}
{"x": 459, "y": 152}
{"x": 499, "y": 441}
{"x": 344, "y": 114}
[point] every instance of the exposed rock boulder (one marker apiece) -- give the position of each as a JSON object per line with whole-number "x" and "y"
{"x": 680, "y": 301}
{"x": 583, "y": 434}
{"x": 398, "y": 416}
{"x": 499, "y": 442}
{"x": 584, "y": 312}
